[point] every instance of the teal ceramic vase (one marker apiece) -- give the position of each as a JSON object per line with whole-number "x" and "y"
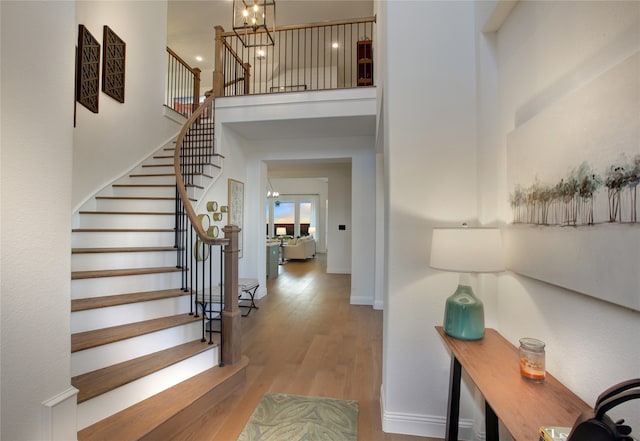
{"x": 464, "y": 315}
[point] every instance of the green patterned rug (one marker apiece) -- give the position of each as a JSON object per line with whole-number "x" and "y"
{"x": 283, "y": 417}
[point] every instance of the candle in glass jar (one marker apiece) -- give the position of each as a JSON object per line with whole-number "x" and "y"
{"x": 532, "y": 359}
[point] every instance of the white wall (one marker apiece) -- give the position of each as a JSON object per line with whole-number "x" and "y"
{"x": 110, "y": 142}
{"x": 542, "y": 52}
{"x": 37, "y": 139}
{"x": 430, "y": 173}
{"x": 236, "y": 116}
{"x": 435, "y": 124}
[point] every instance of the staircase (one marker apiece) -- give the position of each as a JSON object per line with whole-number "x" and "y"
{"x": 139, "y": 359}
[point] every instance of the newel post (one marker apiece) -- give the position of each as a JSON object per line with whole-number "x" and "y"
{"x": 196, "y": 89}
{"x": 231, "y": 315}
{"x": 218, "y": 74}
{"x": 247, "y": 77}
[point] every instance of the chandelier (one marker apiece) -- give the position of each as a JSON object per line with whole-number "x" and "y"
{"x": 271, "y": 193}
{"x": 251, "y": 21}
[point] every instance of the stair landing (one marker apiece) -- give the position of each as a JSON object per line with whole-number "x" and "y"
{"x": 170, "y": 412}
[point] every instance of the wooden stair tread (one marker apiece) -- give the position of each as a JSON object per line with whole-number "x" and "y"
{"x": 124, "y": 299}
{"x": 144, "y": 198}
{"x": 219, "y": 155}
{"x": 144, "y": 185}
{"x": 153, "y": 213}
{"x": 120, "y": 250}
{"x": 100, "y": 381}
{"x": 98, "y": 337}
{"x": 123, "y": 230}
{"x": 93, "y": 274}
{"x": 140, "y": 420}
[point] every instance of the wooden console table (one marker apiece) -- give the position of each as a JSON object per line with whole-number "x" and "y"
{"x": 493, "y": 365}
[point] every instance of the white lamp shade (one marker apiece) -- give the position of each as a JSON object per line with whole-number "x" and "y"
{"x": 312, "y": 230}
{"x": 467, "y": 250}
{"x": 281, "y": 231}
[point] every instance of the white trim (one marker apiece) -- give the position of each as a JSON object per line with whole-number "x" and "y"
{"x": 174, "y": 116}
{"x": 59, "y": 416}
{"x": 420, "y": 425}
{"x": 338, "y": 271}
{"x": 361, "y": 300}
{"x": 167, "y": 142}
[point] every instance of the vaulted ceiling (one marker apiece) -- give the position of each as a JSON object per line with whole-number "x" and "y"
{"x": 190, "y": 33}
{"x": 190, "y": 23}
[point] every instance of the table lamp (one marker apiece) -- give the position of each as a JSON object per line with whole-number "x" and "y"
{"x": 466, "y": 250}
{"x": 281, "y": 231}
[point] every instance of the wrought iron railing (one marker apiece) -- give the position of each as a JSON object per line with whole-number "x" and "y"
{"x": 183, "y": 85}
{"x": 331, "y": 55}
{"x": 212, "y": 290}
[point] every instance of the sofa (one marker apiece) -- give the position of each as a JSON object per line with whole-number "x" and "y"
{"x": 301, "y": 248}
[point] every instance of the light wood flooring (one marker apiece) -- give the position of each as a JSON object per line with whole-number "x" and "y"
{"x": 307, "y": 339}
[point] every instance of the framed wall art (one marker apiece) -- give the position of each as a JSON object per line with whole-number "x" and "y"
{"x": 113, "y": 70}
{"x": 87, "y": 70}
{"x": 573, "y": 170}
{"x": 236, "y": 208}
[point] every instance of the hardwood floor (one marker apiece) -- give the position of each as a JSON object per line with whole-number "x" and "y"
{"x": 307, "y": 339}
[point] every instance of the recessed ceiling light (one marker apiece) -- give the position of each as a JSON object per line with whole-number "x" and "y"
{"x": 335, "y": 45}
{"x": 199, "y": 58}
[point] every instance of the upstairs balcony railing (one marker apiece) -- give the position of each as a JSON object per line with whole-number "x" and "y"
{"x": 330, "y": 55}
{"x": 182, "y": 93}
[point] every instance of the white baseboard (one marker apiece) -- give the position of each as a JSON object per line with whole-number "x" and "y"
{"x": 338, "y": 271}
{"x": 59, "y": 416}
{"x": 420, "y": 425}
{"x": 378, "y": 305}
{"x": 361, "y": 300}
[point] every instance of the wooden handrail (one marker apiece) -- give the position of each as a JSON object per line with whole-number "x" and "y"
{"x": 310, "y": 25}
{"x": 195, "y": 77}
{"x": 231, "y": 51}
{"x": 191, "y": 214}
{"x": 231, "y": 335}
{"x": 180, "y": 60}
{"x": 232, "y": 82}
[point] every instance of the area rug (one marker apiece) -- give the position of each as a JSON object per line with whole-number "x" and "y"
{"x": 283, "y": 417}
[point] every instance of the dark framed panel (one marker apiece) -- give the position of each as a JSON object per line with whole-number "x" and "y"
{"x": 113, "y": 70}
{"x": 87, "y": 70}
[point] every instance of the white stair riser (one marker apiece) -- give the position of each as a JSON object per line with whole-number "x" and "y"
{"x": 104, "y": 286}
{"x": 158, "y": 167}
{"x": 113, "y": 220}
{"x": 207, "y": 170}
{"x": 107, "y": 404}
{"x": 107, "y": 317}
{"x": 136, "y": 205}
{"x": 102, "y": 261}
{"x": 151, "y": 179}
{"x": 155, "y": 192}
{"x": 96, "y": 239}
{"x": 106, "y": 355}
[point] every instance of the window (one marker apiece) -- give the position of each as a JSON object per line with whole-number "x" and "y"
{"x": 295, "y": 213}
{"x": 284, "y": 215}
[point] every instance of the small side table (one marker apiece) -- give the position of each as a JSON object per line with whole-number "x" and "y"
{"x": 523, "y": 407}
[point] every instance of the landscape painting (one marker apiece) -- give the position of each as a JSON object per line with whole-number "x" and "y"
{"x": 573, "y": 171}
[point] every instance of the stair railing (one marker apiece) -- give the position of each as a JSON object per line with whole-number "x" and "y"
{"x": 194, "y": 149}
{"x": 317, "y": 56}
{"x": 183, "y": 85}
